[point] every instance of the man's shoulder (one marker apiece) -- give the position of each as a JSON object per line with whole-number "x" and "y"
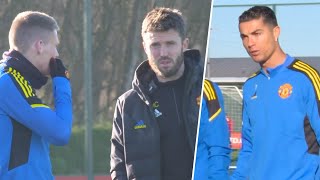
{"x": 306, "y": 70}
{"x": 208, "y": 88}
{"x": 9, "y": 74}
{"x": 8, "y": 71}
{"x": 308, "y": 74}
{"x": 252, "y": 78}
{"x": 194, "y": 66}
{"x": 303, "y": 67}
{"x": 192, "y": 53}
{"x": 5, "y": 77}
{"x": 128, "y": 95}
{"x": 192, "y": 57}
{"x": 211, "y": 92}
{"x": 210, "y": 83}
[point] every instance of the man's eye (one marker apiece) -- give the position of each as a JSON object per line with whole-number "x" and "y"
{"x": 156, "y": 45}
{"x": 257, "y": 33}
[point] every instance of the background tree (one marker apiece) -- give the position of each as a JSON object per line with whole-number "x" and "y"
{"x": 117, "y": 50}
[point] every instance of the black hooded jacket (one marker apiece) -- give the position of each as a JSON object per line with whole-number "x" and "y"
{"x": 135, "y": 141}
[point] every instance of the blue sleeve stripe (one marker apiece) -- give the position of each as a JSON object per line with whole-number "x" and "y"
{"x": 312, "y": 75}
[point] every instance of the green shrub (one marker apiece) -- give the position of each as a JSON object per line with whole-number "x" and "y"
{"x": 70, "y": 159}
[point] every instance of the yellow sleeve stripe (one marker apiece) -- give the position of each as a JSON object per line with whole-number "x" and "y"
{"x": 252, "y": 75}
{"x": 312, "y": 74}
{"x": 11, "y": 71}
{"x": 39, "y": 105}
{"x": 26, "y": 88}
{"x": 29, "y": 88}
{"x": 215, "y": 115}
{"x": 24, "y": 82}
{"x": 208, "y": 90}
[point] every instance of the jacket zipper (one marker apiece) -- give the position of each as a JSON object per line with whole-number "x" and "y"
{"x": 176, "y": 105}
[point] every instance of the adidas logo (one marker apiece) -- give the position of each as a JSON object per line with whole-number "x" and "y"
{"x": 140, "y": 125}
{"x": 157, "y": 113}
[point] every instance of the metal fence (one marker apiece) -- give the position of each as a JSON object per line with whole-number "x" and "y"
{"x": 233, "y": 107}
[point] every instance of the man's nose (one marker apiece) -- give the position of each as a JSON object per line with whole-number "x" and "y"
{"x": 251, "y": 42}
{"x": 164, "y": 51}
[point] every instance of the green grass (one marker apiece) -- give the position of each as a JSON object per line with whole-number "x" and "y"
{"x": 70, "y": 159}
{"x": 234, "y": 157}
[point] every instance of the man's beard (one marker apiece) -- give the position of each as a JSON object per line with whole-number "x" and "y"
{"x": 167, "y": 73}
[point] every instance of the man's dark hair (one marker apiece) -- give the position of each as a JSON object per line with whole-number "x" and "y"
{"x": 258, "y": 12}
{"x": 163, "y": 19}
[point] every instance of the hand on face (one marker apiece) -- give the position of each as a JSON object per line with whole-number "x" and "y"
{"x": 46, "y": 51}
{"x": 57, "y": 69}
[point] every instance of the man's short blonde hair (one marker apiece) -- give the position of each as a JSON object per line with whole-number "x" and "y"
{"x": 28, "y": 26}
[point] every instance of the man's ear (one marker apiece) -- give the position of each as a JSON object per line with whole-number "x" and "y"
{"x": 144, "y": 46}
{"x": 38, "y": 45}
{"x": 185, "y": 44}
{"x": 276, "y": 33}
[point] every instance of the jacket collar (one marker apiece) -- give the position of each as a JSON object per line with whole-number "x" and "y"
{"x": 26, "y": 69}
{"x": 274, "y": 71}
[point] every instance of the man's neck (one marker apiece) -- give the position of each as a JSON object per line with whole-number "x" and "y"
{"x": 275, "y": 60}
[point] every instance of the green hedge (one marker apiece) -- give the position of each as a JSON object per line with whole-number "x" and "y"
{"x": 70, "y": 159}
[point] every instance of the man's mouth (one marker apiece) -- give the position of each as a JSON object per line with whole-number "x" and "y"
{"x": 254, "y": 53}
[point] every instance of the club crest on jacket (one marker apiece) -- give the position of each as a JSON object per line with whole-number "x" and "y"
{"x": 285, "y": 91}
